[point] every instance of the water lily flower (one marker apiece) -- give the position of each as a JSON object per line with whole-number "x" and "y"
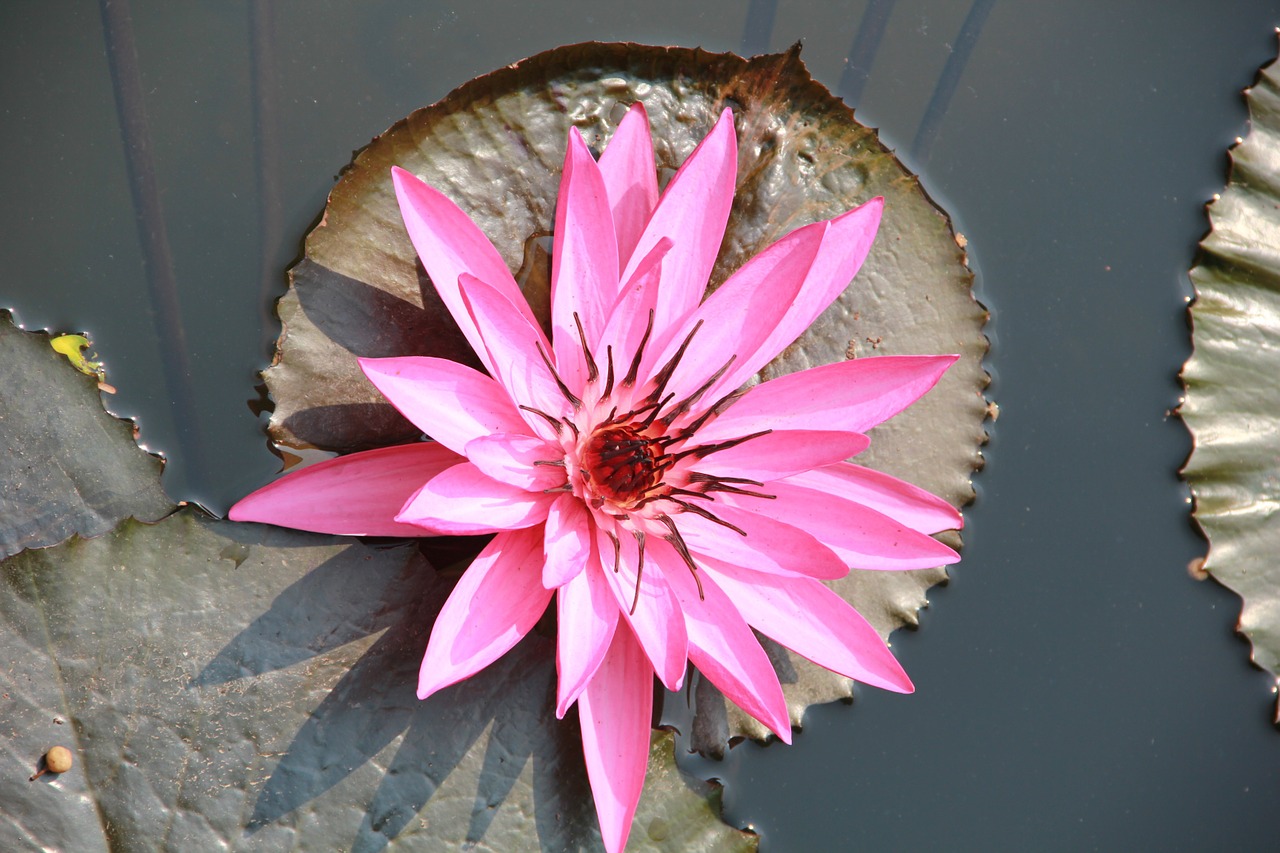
{"x": 621, "y": 469}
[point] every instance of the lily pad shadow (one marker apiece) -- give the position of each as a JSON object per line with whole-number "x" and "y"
{"x": 491, "y": 725}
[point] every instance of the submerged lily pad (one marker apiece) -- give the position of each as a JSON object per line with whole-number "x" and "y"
{"x": 1232, "y": 404}
{"x": 495, "y": 146}
{"x": 228, "y": 686}
{"x": 67, "y": 466}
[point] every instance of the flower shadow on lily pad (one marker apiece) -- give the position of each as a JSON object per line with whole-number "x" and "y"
{"x": 370, "y": 323}
{"x": 491, "y": 726}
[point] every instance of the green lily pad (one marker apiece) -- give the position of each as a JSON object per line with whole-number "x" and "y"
{"x": 67, "y": 466}
{"x": 232, "y": 686}
{"x": 495, "y": 146}
{"x": 1232, "y": 403}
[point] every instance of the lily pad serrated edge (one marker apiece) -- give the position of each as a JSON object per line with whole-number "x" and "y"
{"x": 160, "y": 505}
{"x": 1232, "y": 379}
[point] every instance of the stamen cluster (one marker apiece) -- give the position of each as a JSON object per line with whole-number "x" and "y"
{"x": 625, "y": 464}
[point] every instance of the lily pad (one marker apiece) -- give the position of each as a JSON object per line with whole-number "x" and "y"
{"x": 1232, "y": 403}
{"x": 227, "y": 686}
{"x": 67, "y": 466}
{"x": 495, "y": 146}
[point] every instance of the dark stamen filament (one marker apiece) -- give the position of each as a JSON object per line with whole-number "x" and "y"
{"x": 639, "y": 534}
{"x": 608, "y": 385}
{"x": 718, "y": 408}
{"x": 564, "y": 389}
{"x": 663, "y": 376}
{"x": 677, "y": 542}
{"x": 617, "y": 548}
{"x": 556, "y": 423}
{"x": 630, "y": 378}
{"x": 593, "y": 373}
{"x": 734, "y": 490}
{"x": 684, "y": 404}
{"x": 705, "y": 513}
{"x": 705, "y": 450}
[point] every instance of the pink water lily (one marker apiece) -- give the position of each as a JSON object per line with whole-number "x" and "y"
{"x": 621, "y": 468}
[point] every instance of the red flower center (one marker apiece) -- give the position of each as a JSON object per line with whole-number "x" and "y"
{"x": 622, "y": 465}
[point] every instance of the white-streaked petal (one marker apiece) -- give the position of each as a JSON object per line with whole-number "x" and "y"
{"x": 463, "y": 500}
{"x": 497, "y": 600}
{"x": 615, "y": 712}
{"x": 448, "y": 401}
{"x": 570, "y": 537}
{"x": 355, "y": 495}
{"x": 657, "y": 621}
{"x": 630, "y": 179}
{"x": 587, "y": 616}
{"x": 584, "y": 261}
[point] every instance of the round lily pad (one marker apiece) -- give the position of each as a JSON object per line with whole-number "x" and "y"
{"x": 495, "y": 146}
{"x": 1232, "y": 403}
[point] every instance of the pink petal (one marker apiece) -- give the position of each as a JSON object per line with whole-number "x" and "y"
{"x": 616, "y": 713}
{"x": 769, "y": 546}
{"x": 848, "y": 395}
{"x": 629, "y": 317}
{"x": 448, "y": 401}
{"x": 463, "y": 500}
{"x": 450, "y": 244}
{"x": 735, "y": 320}
{"x": 723, "y": 648}
{"x": 355, "y": 495}
{"x": 781, "y": 454}
{"x": 692, "y": 212}
{"x": 497, "y": 600}
{"x": 814, "y": 622}
{"x": 569, "y": 541}
{"x": 904, "y": 503}
{"x": 657, "y": 621}
{"x": 630, "y": 179}
{"x": 860, "y": 536}
{"x": 512, "y": 342}
{"x": 584, "y": 273}
{"x": 514, "y": 460}
{"x": 845, "y": 245}
{"x": 587, "y": 616}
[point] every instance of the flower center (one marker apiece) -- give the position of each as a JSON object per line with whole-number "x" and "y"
{"x": 622, "y": 465}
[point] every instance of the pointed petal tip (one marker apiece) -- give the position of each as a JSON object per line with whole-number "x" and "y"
{"x": 898, "y": 682}
{"x": 402, "y": 179}
{"x": 891, "y": 675}
{"x": 725, "y": 125}
{"x": 950, "y": 556}
{"x": 239, "y": 512}
{"x": 874, "y": 209}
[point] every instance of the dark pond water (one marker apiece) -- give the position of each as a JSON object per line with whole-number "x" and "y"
{"x": 1076, "y": 688}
